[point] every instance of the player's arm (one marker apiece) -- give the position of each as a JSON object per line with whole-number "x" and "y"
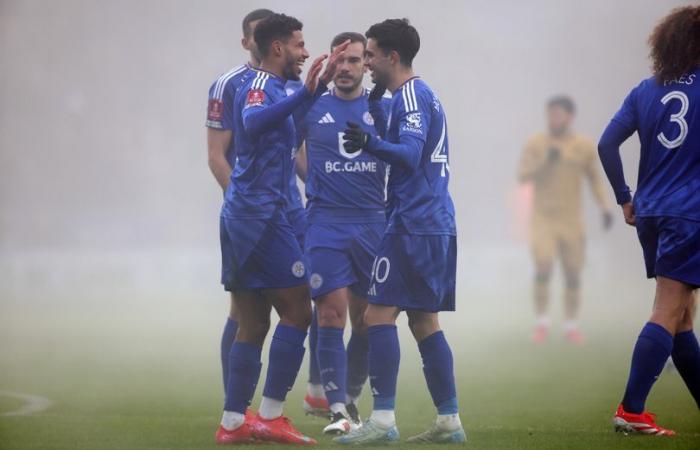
{"x": 618, "y": 130}
{"x": 596, "y": 182}
{"x": 301, "y": 162}
{"x": 413, "y": 128}
{"x": 219, "y": 135}
{"x": 218, "y": 142}
{"x": 376, "y": 109}
{"x": 534, "y": 161}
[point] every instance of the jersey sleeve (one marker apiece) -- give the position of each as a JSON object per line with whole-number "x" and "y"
{"x": 626, "y": 116}
{"x": 215, "y": 109}
{"x": 414, "y": 113}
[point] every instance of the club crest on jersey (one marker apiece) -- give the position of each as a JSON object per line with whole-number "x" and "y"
{"x": 413, "y": 123}
{"x": 298, "y": 269}
{"x": 256, "y": 97}
{"x": 316, "y": 281}
{"x": 367, "y": 118}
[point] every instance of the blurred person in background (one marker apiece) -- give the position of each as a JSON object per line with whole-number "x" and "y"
{"x": 556, "y": 163}
{"x": 664, "y": 111}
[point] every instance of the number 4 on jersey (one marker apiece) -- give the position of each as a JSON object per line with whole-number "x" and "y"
{"x": 439, "y": 156}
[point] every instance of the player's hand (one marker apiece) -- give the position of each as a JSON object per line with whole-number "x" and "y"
{"x": 607, "y": 220}
{"x": 332, "y": 65}
{"x": 355, "y": 139}
{"x": 377, "y": 92}
{"x": 628, "y": 212}
{"x": 312, "y": 77}
{"x": 553, "y": 155}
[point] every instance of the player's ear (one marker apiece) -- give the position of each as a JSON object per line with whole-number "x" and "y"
{"x": 245, "y": 43}
{"x": 276, "y": 48}
{"x": 394, "y": 57}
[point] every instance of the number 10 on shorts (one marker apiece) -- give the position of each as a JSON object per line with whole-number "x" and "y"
{"x": 380, "y": 269}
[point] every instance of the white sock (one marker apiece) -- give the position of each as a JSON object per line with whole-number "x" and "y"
{"x": 270, "y": 408}
{"x": 570, "y": 325}
{"x": 448, "y": 422}
{"x": 385, "y": 418}
{"x": 232, "y": 420}
{"x": 315, "y": 390}
{"x": 543, "y": 321}
{"x": 339, "y": 408}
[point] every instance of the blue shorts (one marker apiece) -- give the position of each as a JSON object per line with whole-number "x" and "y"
{"x": 415, "y": 272}
{"x": 341, "y": 255}
{"x": 260, "y": 254}
{"x": 297, "y": 219}
{"x": 671, "y": 248}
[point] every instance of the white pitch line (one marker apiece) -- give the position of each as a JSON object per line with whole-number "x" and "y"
{"x": 32, "y": 403}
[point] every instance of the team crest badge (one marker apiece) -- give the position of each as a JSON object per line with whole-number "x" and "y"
{"x": 316, "y": 281}
{"x": 368, "y": 119}
{"x": 298, "y": 269}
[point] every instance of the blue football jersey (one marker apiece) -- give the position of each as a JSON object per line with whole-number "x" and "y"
{"x": 418, "y": 200}
{"x": 666, "y": 116}
{"x": 341, "y": 187}
{"x": 220, "y": 106}
{"x": 260, "y": 182}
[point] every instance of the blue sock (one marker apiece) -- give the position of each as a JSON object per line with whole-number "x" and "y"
{"x": 286, "y": 355}
{"x": 438, "y": 368}
{"x": 227, "y": 338}
{"x": 314, "y": 371}
{"x": 384, "y": 356}
{"x": 653, "y": 348}
{"x": 332, "y": 362}
{"x": 357, "y": 364}
{"x": 686, "y": 357}
{"x": 244, "y": 372}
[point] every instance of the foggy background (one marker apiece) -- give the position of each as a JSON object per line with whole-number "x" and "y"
{"x": 109, "y": 214}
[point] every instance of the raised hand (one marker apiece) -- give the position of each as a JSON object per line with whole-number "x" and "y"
{"x": 312, "y": 77}
{"x": 332, "y": 64}
{"x": 377, "y": 92}
{"x": 355, "y": 139}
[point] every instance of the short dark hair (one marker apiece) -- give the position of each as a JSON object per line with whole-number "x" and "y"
{"x": 253, "y": 16}
{"x": 675, "y": 44}
{"x": 351, "y": 35}
{"x": 563, "y": 101}
{"x": 277, "y": 27}
{"x": 398, "y": 35}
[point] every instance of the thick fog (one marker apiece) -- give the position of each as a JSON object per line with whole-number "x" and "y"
{"x": 104, "y": 184}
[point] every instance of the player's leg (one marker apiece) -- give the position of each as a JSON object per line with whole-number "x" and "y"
{"x": 315, "y": 402}
{"x": 686, "y": 352}
{"x": 571, "y": 250}
{"x": 244, "y": 366}
{"x": 438, "y": 368}
{"x": 227, "y": 338}
{"x": 543, "y": 241}
{"x": 332, "y": 310}
{"x": 357, "y": 349}
{"x": 653, "y": 347}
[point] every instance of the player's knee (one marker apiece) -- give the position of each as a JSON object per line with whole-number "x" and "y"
{"x": 542, "y": 275}
{"x": 331, "y": 316}
{"x": 253, "y": 332}
{"x": 572, "y": 281}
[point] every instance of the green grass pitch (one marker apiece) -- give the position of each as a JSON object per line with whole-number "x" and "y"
{"x": 153, "y": 383}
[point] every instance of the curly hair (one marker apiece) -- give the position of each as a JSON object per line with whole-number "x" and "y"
{"x": 276, "y": 27}
{"x": 675, "y": 44}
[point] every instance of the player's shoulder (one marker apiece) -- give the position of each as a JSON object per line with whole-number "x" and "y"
{"x": 229, "y": 80}
{"x": 537, "y": 140}
{"x": 584, "y": 142}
